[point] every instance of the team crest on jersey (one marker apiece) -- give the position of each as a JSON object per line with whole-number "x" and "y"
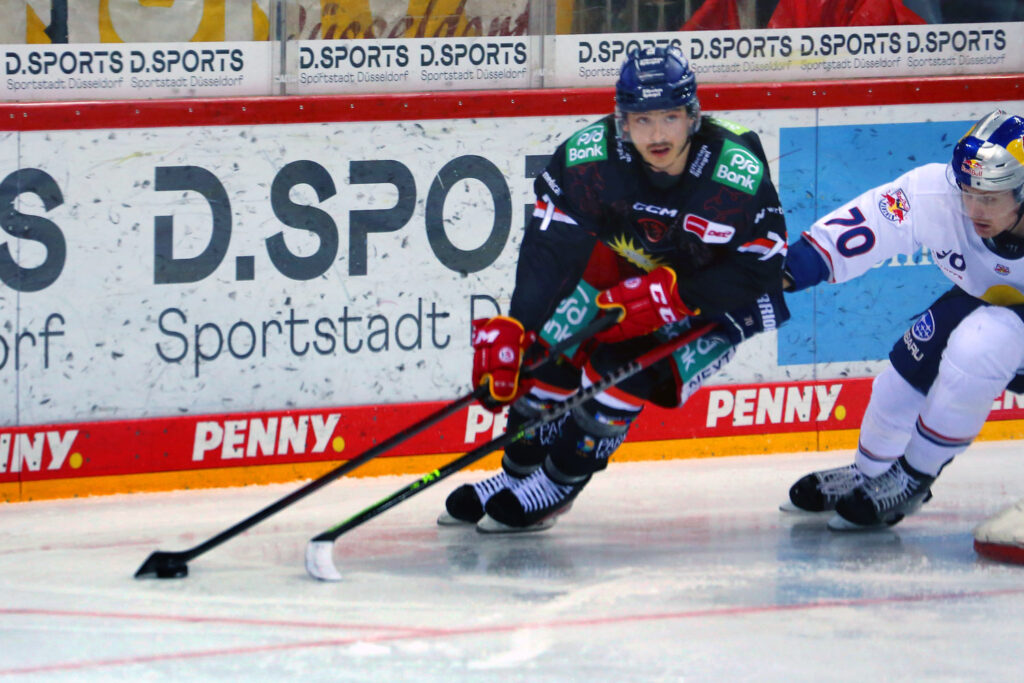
{"x": 1001, "y": 269}
{"x": 654, "y": 230}
{"x": 709, "y": 232}
{"x": 894, "y": 205}
{"x": 924, "y": 328}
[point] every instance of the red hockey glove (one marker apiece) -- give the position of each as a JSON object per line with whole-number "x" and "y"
{"x": 643, "y": 305}
{"x": 498, "y": 346}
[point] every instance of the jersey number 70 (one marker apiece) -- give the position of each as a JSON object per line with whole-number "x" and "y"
{"x": 859, "y": 239}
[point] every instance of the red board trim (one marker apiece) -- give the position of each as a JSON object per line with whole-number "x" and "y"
{"x": 30, "y": 116}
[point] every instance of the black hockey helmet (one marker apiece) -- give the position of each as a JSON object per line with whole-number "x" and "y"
{"x": 656, "y": 78}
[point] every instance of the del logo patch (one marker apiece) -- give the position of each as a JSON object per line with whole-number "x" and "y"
{"x": 589, "y": 144}
{"x": 708, "y": 231}
{"x": 894, "y": 205}
{"x": 924, "y": 328}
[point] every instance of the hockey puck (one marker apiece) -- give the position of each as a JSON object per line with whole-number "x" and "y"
{"x": 172, "y": 571}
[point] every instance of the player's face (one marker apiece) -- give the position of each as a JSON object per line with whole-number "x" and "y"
{"x": 991, "y": 212}
{"x": 662, "y": 137}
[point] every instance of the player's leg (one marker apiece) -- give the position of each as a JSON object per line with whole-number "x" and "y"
{"x": 573, "y": 449}
{"x": 897, "y": 396}
{"x": 593, "y": 431}
{"x": 884, "y": 433}
{"x": 465, "y": 505}
{"x": 553, "y": 383}
{"x": 983, "y": 355}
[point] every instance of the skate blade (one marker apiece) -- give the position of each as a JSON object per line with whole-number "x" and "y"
{"x": 489, "y": 525}
{"x": 839, "y": 523}
{"x": 789, "y": 507}
{"x": 446, "y": 519}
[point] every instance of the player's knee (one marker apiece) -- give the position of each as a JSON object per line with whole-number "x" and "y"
{"x": 989, "y": 343}
{"x": 890, "y": 415}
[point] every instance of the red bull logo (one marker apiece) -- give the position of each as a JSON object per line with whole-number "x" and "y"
{"x": 971, "y": 167}
{"x": 894, "y": 205}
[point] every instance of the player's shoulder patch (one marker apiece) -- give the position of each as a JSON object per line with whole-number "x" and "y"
{"x": 587, "y": 144}
{"x": 739, "y": 168}
{"x": 924, "y": 328}
{"x": 894, "y": 205}
{"x": 730, "y": 126}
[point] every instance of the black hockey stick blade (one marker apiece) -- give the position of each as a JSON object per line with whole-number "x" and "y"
{"x": 165, "y": 565}
{"x": 174, "y": 565}
{"x": 319, "y": 551}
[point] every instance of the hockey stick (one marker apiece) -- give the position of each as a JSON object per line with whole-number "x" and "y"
{"x": 319, "y": 560}
{"x": 165, "y": 564}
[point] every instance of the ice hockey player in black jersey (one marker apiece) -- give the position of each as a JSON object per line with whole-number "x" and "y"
{"x": 934, "y": 396}
{"x": 665, "y": 217}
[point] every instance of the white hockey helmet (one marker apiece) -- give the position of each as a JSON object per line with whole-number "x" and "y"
{"x": 990, "y": 156}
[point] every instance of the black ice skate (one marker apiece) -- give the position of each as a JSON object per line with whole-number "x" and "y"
{"x": 883, "y": 500}
{"x": 820, "y": 491}
{"x": 465, "y": 505}
{"x": 531, "y": 504}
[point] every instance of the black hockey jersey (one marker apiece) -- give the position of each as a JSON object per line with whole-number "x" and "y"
{"x": 719, "y": 225}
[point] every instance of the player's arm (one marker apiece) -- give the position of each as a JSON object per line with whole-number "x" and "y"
{"x": 844, "y": 244}
{"x": 552, "y": 257}
{"x": 805, "y": 266}
{"x": 554, "y": 252}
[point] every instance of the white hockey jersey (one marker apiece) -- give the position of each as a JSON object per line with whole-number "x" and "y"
{"x": 920, "y": 208}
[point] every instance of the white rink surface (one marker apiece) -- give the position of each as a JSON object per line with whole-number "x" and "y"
{"x": 665, "y": 571}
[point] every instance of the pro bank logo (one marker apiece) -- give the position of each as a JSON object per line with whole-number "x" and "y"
{"x": 738, "y": 168}
{"x": 589, "y": 144}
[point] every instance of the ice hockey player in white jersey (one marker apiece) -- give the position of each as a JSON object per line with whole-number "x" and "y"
{"x": 934, "y": 396}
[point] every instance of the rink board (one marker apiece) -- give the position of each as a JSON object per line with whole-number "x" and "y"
{"x": 207, "y": 292}
{"x": 236, "y": 449}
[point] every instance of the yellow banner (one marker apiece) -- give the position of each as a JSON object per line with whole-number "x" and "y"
{"x": 345, "y": 19}
{"x": 132, "y": 21}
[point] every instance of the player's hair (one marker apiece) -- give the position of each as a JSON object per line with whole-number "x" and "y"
{"x": 990, "y": 156}
{"x": 656, "y": 78}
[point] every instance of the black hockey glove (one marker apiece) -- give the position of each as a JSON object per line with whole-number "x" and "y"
{"x": 767, "y": 313}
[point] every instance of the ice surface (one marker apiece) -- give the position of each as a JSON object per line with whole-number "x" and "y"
{"x": 663, "y": 571}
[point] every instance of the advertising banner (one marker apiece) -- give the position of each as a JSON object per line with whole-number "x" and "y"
{"x": 414, "y": 64}
{"x": 802, "y": 54}
{"x": 136, "y": 71}
{"x": 325, "y": 264}
{"x": 231, "y": 449}
{"x": 132, "y": 21}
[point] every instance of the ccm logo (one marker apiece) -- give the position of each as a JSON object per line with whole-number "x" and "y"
{"x": 664, "y": 310}
{"x": 708, "y": 231}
